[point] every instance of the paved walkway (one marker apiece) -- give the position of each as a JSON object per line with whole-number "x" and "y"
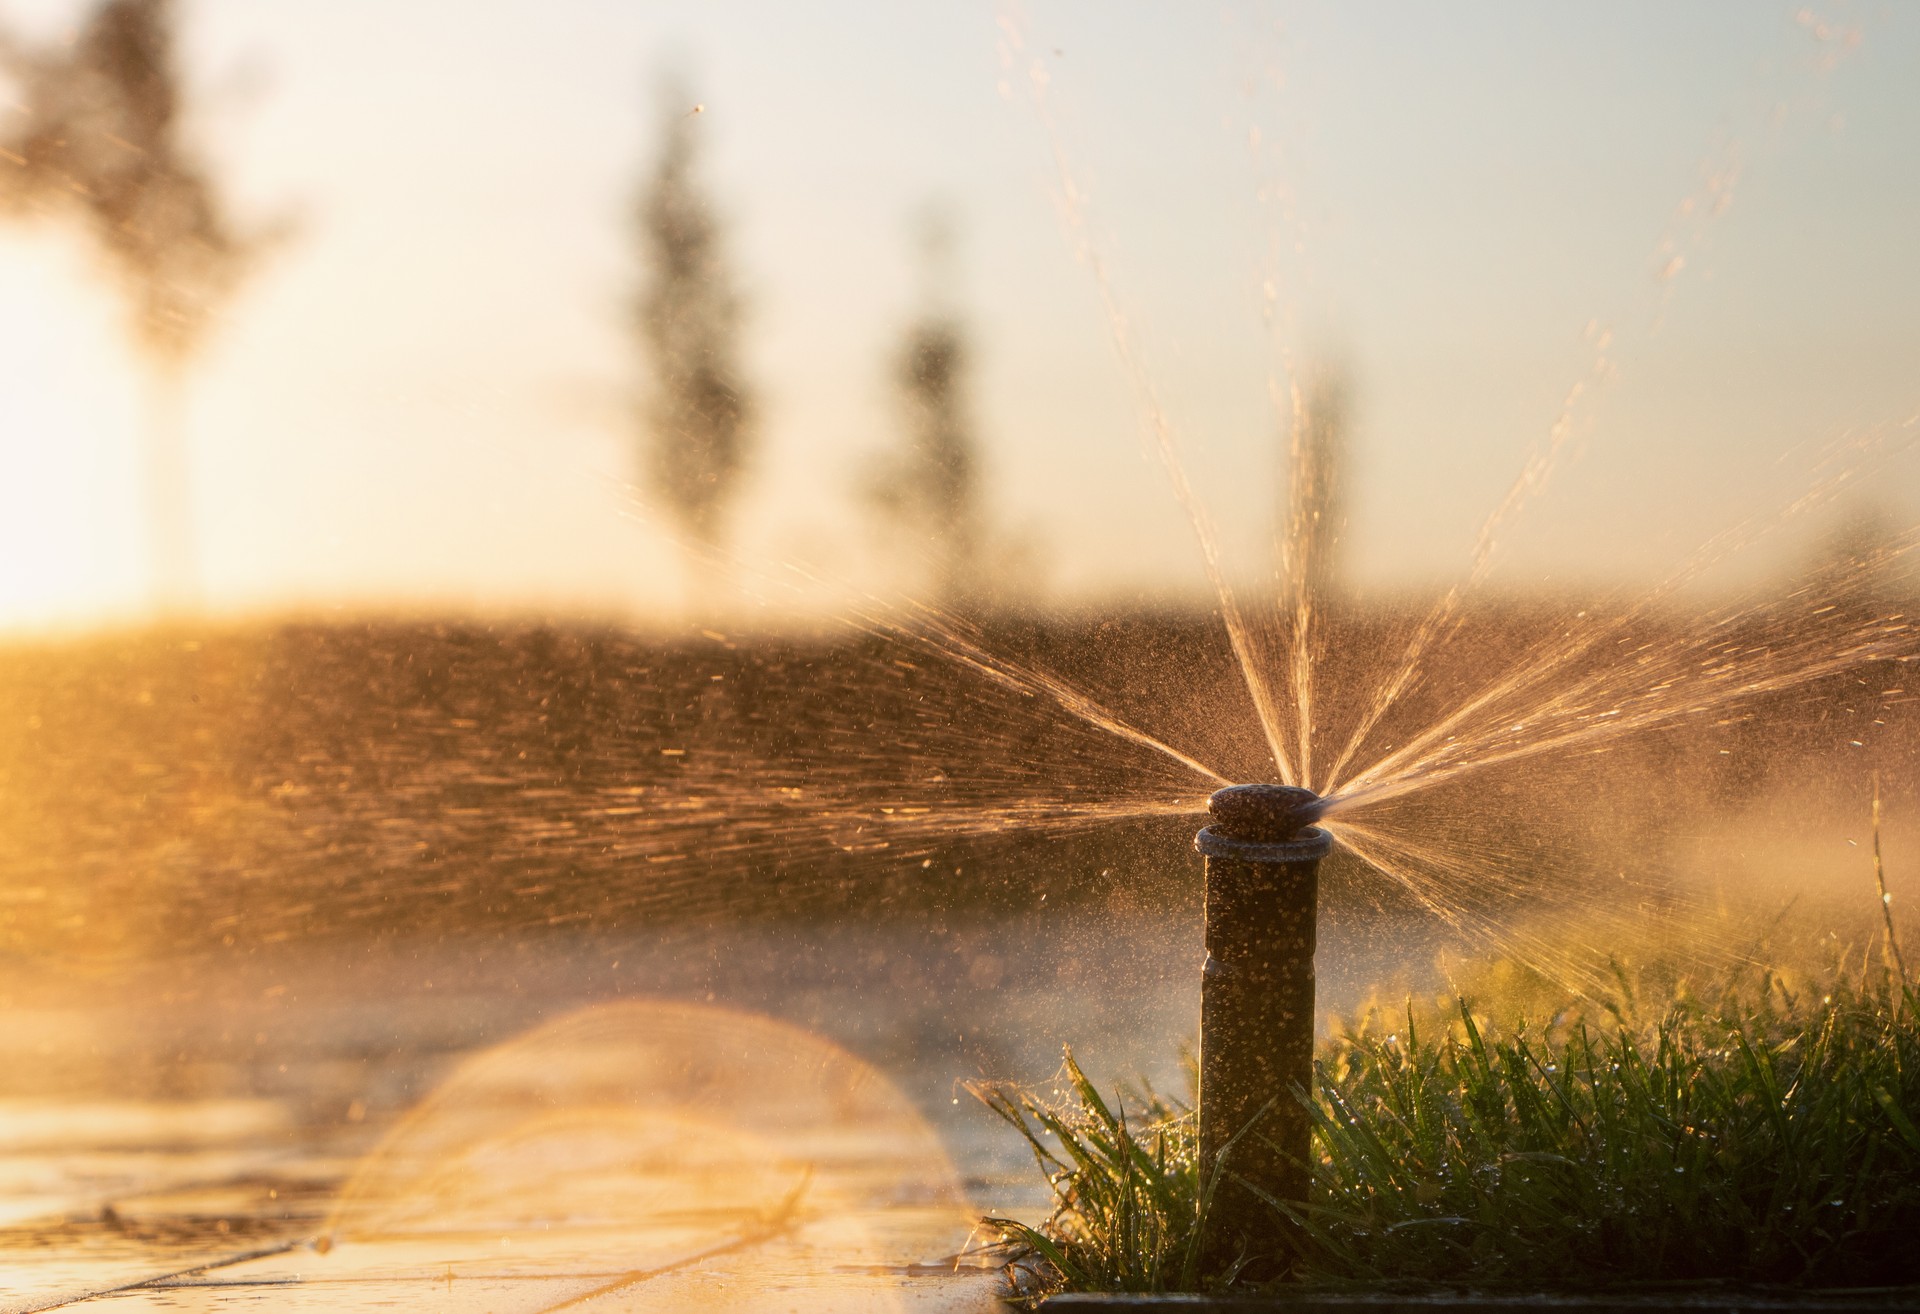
{"x": 634, "y": 1156}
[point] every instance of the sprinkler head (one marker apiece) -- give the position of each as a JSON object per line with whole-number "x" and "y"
{"x": 1256, "y": 1014}
{"x": 1264, "y": 814}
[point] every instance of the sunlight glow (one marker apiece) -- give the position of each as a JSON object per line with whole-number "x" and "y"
{"x": 71, "y": 533}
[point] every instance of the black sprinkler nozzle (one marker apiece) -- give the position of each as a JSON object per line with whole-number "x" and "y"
{"x": 1264, "y": 814}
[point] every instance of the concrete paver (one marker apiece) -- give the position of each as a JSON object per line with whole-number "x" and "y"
{"x": 630, "y": 1157}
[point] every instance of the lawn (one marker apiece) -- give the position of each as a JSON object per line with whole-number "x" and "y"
{"x": 1763, "y": 1131}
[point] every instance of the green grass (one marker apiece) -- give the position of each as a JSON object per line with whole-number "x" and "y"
{"x": 1760, "y": 1134}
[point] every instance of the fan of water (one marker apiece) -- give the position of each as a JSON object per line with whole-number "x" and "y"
{"x": 1426, "y": 740}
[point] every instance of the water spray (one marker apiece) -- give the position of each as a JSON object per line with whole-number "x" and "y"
{"x": 1256, "y": 1013}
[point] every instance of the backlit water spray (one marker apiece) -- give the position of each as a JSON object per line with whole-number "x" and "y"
{"x": 1591, "y": 681}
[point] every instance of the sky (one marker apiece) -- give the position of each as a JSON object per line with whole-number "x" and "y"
{"x": 423, "y": 400}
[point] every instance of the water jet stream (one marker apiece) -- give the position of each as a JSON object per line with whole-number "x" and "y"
{"x": 951, "y": 637}
{"x": 1441, "y": 879}
{"x": 1835, "y": 473}
{"x": 1308, "y": 499}
{"x": 1646, "y": 686}
{"x": 1693, "y": 217}
{"x": 1073, "y": 212}
{"x": 1443, "y": 622}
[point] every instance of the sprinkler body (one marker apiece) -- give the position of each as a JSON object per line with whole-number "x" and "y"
{"x": 1256, "y": 1016}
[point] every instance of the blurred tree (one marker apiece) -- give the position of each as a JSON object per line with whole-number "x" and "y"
{"x": 697, "y": 418}
{"x": 100, "y": 138}
{"x": 1314, "y": 509}
{"x": 931, "y": 491}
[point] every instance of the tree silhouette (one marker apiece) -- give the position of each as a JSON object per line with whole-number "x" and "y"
{"x": 101, "y": 139}
{"x": 931, "y": 491}
{"x": 1315, "y": 507}
{"x": 697, "y": 419}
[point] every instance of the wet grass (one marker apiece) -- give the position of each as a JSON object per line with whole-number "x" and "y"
{"x": 1763, "y": 1132}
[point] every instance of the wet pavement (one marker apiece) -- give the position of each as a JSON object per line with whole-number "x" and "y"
{"x": 562, "y": 1176}
{"x": 768, "y": 1119}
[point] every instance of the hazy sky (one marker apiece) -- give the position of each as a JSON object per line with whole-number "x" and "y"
{"x": 423, "y": 399}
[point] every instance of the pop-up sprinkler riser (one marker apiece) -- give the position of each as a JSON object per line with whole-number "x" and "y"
{"x": 1256, "y": 1013}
